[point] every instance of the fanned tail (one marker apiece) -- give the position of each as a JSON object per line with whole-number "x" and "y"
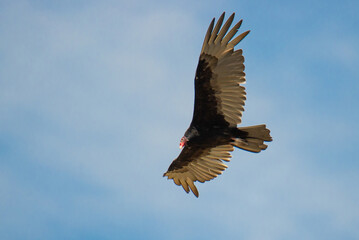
{"x": 255, "y": 136}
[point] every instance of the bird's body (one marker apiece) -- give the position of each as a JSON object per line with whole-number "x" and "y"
{"x": 218, "y": 107}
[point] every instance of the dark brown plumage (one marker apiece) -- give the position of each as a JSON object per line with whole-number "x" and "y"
{"x": 218, "y": 107}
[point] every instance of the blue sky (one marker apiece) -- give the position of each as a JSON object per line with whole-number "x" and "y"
{"x": 95, "y": 96}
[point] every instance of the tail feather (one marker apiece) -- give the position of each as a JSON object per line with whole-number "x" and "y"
{"x": 255, "y": 138}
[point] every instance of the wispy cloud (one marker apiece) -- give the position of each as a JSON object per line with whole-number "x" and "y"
{"x": 95, "y": 96}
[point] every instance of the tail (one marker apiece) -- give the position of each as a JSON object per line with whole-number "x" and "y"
{"x": 254, "y": 139}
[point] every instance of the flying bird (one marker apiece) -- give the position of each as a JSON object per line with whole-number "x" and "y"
{"x": 218, "y": 106}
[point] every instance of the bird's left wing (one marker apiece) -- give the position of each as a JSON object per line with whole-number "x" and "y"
{"x": 219, "y": 97}
{"x": 196, "y": 163}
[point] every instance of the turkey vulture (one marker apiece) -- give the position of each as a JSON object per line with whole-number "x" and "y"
{"x": 218, "y": 107}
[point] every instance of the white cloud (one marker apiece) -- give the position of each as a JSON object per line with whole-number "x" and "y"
{"x": 101, "y": 96}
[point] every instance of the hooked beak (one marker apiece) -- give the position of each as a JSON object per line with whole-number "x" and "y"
{"x": 183, "y": 142}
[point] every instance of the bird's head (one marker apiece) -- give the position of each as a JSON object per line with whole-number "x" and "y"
{"x": 188, "y": 135}
{"x": 183, "y": 142}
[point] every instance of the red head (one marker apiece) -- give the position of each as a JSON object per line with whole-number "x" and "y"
{"x": 183, "y": 142}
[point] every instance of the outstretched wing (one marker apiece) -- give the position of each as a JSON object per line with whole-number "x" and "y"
{"x": 219, "y": 98}
{"x": 198, "y": 163}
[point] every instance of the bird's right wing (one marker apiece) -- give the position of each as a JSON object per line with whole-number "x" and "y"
{"x": 197, "y": 163}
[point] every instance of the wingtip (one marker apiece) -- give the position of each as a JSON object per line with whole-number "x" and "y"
{"x": 192, "y": 187}
{"x": 230, "y": 19}
{"x": 196, "y": 194}
{"x": 239, "y": 38}
{"x": 220, "y": 19}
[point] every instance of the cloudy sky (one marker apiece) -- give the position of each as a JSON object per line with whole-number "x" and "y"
{"x": 95, "y": 96}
